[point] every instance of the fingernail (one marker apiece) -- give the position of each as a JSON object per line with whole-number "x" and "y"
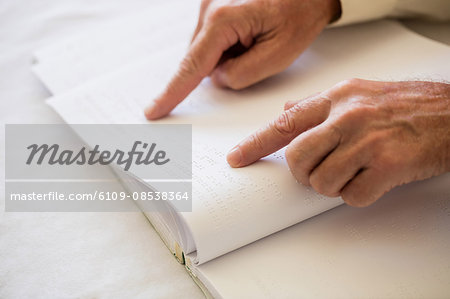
{"x": 234, "y": 157}
{"x": 151, "y": 111}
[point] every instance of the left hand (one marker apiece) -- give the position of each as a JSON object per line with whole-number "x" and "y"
{"x": 241, "y": 42}
{"x": 360, "y": 138}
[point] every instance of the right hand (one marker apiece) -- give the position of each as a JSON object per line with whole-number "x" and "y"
{"x": 239, "y": 43}
{"x": 360, "y": 138}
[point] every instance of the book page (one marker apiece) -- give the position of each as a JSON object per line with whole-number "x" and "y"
{"x": 396, "y": 248}
{"x": 234, "y": 207}
{"x": 79, "y": 58}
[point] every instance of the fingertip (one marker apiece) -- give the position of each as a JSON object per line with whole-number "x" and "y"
{"x": 153, "y": 112}
{"x": 234, "y": 157}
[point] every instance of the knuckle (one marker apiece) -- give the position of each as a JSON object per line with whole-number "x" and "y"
{"x": 358, "y": 113}
{"x": 293, "y": 168}
{"x": 296, "y": 154}
{"x": 318, "y": 182}
{"x": 350, "y": 83}
{"x": 288, "y": 105}
{"x": 293, "y": 160}
{"x": 284, "y": 124}
{"x": 255, "y": 141}
{"x": 357, "y": 198}
{"x": 336, "y": 131}
{"x": 351, "y": 197}
{"x": 189, "y": 66}
{"x": 291, "y": 156}
{"x": 360, "y": 194}
{"x": 219, "y": 13}
{"x": 345, "y": 87}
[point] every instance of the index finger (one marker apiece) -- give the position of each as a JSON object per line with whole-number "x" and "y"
{"x": 280, "y": 132}
{"x": 201, "y": 59}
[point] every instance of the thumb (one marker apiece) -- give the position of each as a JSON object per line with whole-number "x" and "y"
{"x": 261, "y": 61}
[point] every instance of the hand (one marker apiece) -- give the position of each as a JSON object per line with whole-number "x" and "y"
{"x": 240, "y": 42}
{"x": 360, "y": 138}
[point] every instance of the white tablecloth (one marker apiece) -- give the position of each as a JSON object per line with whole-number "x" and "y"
{"x": 70, "y": 255}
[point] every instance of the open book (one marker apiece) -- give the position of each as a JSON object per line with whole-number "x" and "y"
{"x": 232, "y": 207}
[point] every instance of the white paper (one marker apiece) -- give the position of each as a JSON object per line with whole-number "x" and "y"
{"x": 375, "y": 51}
{"x": 79, "y": 58}
{"x": 397, "y": 248}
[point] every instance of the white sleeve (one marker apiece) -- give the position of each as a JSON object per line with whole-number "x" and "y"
{"x": 354, "y": 11}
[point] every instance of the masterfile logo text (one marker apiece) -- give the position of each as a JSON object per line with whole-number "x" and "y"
{"x": 54, "y": 155}
{"x": 97, "y": 167}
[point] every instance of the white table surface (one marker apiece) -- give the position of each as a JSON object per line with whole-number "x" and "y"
{"x": 82, "y": 255}
{"x": 70, "y": 255}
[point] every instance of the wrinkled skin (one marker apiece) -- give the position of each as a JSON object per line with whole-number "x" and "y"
{"x": 360, "y": 138}
{"x": 241, "y": 42}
